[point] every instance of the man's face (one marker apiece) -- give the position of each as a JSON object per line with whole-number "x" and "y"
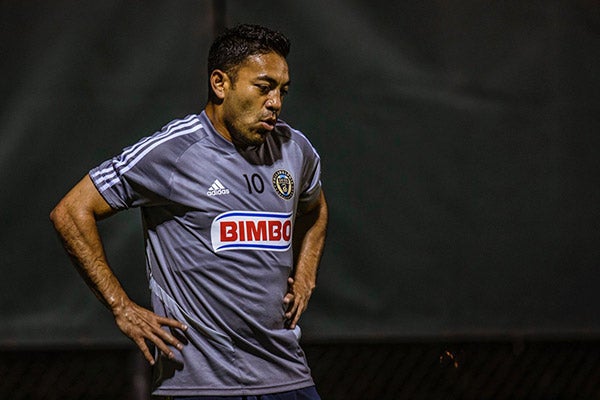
{"x": 253, "y": 101}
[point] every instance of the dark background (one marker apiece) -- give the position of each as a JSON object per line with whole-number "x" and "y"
{"x": 459, "y": 142}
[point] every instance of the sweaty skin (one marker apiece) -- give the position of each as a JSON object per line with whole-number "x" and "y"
{"x": 247, "y": 107}
{"x": 75, "y": 219}
{"x": 308, "y": 241}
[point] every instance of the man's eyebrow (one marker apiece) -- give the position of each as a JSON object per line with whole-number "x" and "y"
{"x": 271, "y": 80}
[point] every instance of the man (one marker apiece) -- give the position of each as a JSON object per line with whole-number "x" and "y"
{"x": 221, "y": 195}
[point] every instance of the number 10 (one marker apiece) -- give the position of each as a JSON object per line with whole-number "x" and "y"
{"x": 256, "y": 182}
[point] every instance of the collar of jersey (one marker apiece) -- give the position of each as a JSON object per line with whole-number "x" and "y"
{"x": 216, "y": 136}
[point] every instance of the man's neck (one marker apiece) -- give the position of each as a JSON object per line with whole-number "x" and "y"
{"x": 214, "y": 115}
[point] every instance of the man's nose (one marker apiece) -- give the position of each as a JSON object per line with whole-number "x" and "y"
{"x": 274, "y": 101}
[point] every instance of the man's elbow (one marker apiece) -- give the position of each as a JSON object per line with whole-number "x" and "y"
{"x": 317, "y": 206}
{"x": 66, "y": 212}
{"x": 58, "y": 215}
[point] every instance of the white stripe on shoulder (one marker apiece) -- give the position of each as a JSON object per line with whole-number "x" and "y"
{"x": 131, "y": 151}
{"x": 131, "y": 163}
{"x": 165, "y": 130}
{"x": 107, "y": 177}
{"x": 172, "y": 128}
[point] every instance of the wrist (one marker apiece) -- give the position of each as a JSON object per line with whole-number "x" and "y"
{"x": 117, "y": 303}
{"x": 305, "y": 282}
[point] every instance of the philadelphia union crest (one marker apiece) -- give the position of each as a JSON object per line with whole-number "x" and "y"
{"x": 283, "y": 184}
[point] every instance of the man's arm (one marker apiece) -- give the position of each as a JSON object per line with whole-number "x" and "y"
{"x": 309, "y": 239}
{"x": 75, "y": 219}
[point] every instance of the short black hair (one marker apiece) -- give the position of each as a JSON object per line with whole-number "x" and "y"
{"x": 231, "y": 48}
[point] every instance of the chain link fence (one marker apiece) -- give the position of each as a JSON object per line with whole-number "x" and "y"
{"x": 480, "y": 370}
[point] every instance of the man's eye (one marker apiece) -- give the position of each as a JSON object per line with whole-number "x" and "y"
{"x": 263, "y": 88}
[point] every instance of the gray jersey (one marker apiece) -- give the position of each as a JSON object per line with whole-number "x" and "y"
{"x": 218, "y": 228}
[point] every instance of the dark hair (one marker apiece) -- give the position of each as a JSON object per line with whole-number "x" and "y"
{"x": 232, "y": 47}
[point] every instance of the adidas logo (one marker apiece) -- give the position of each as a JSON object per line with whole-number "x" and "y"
{"x": 217, "y": 189}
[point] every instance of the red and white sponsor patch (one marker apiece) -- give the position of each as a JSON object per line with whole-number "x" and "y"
{"x": 241, "y": 230}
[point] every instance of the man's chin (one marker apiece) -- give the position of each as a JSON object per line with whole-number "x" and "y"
{"x": 253, "y": 139}
{"x": 259, "y": 140}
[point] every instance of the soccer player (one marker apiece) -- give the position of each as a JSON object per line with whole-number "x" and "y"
{"x": 234, "y": 223}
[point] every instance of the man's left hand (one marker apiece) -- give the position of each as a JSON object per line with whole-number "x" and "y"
{"x": 296, "y": 301}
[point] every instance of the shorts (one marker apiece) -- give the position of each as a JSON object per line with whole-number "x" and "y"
{"x": 309, "y": 393}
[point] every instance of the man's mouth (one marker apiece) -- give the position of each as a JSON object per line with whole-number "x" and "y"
{"x": 268, "y": 123}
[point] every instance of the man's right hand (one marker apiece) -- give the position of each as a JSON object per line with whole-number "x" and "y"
{"x": 141, "y": 325}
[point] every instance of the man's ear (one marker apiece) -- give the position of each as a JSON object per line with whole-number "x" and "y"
{"x": 219, "y": 82}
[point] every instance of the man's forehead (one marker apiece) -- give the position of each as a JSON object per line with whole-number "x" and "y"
{"x": 269, "y": 65}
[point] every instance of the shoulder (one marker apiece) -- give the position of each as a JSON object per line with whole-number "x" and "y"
{"x": 188, "y": 130}
{"x": 170, "y": 141}
{"x": 288, "y": 134}
{"x": 158, "y": 152}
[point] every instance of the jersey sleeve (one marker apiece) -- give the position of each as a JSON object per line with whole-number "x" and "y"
{"x": 311, "y": 175}
{"x": 141, "y": 175}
